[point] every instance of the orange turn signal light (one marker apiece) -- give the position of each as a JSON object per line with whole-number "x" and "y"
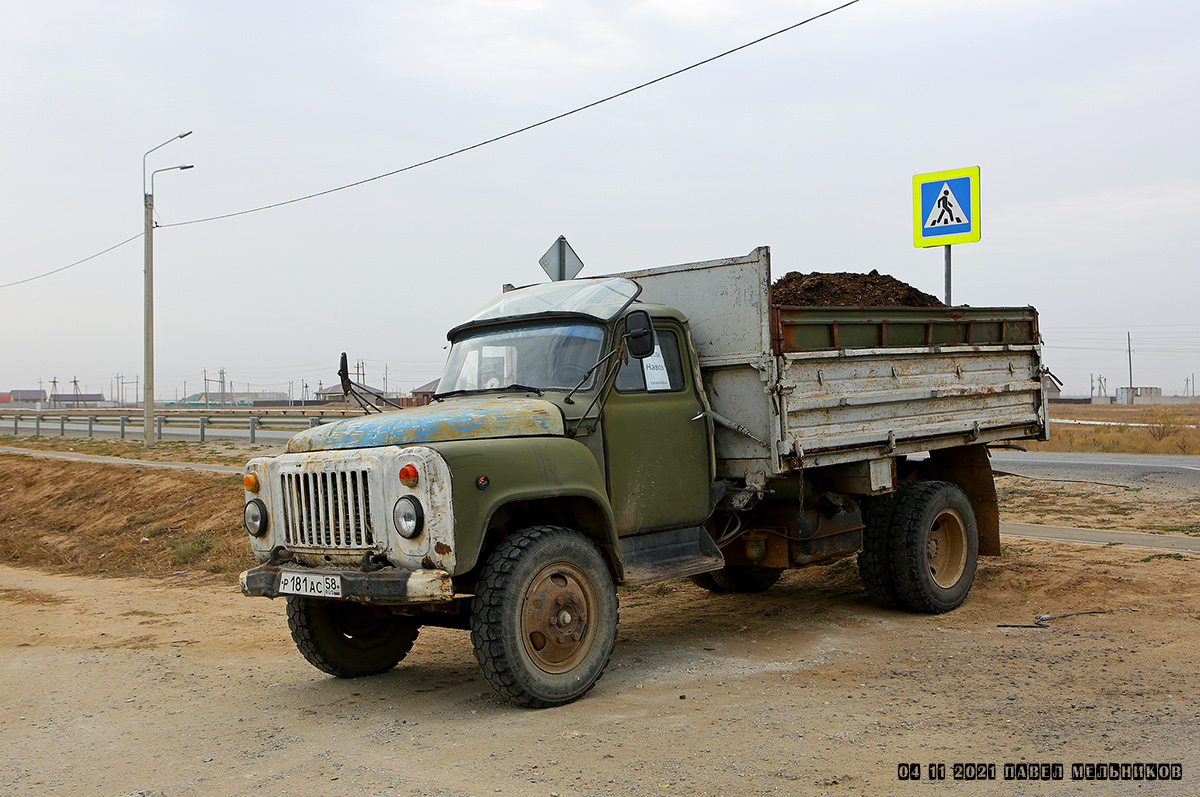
{"x": 250, "y": 481}
{"x": 408, "y": 475}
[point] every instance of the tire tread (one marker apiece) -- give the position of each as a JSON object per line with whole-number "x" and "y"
{"x": 305, "y": 623}
{"x": 487, "y": 616}
{"x": 908, "y": 555}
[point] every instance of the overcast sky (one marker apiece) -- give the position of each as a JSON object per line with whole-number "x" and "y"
{"x": 1081, "y": 114}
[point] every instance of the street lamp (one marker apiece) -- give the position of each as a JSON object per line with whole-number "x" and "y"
{"x": 148, "y": 329}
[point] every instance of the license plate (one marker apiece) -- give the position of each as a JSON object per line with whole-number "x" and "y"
{"x": 316, "y": 586}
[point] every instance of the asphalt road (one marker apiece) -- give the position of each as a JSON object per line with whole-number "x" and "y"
{"x": 1125, "y": 470}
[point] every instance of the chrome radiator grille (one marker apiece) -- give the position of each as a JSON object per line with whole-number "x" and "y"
{"x": 330, "y": 509}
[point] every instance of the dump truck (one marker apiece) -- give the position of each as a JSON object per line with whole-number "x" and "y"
{"x": 594, "y": 433}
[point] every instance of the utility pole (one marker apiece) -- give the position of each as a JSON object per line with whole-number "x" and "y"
{"x": 148, "y": 288}
{"x": 54, "y": 392}
{"x": 1129, "y": 348}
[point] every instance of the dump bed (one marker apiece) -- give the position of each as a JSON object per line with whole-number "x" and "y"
{"x": 812, "y": 386}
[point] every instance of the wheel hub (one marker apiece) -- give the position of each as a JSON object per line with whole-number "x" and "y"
{"x": 558, "y": 618}
{"x": 946, "y": 550}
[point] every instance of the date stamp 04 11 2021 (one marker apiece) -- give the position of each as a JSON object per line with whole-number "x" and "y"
{"x": 1025, "y": 771}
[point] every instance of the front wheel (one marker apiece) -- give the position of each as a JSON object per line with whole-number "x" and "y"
{"x": 936, "y": 547}
{"x": 349, "y": 639}
{"x": 544, "y": 617}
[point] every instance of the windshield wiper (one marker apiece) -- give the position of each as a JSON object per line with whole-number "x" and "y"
{"x": 588, "y": 375}
{"x": 514, "y": 386}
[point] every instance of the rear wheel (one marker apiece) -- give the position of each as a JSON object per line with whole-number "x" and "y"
{"x": 544, "y": 617}
{"x": 874, "y": 560}
{"x": 349, "y": 639}
{"x": 935, "y": 547}
{"x": 738, "y": 578}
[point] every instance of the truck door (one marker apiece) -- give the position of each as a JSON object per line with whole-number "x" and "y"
{"x": 658, "y": 450}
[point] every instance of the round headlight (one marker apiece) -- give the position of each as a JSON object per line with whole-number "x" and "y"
{"x": 255, "y": 517}
{"x": 408, "y": 517}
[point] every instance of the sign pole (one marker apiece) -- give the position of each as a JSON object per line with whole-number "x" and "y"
{"x": 948, "y": 302}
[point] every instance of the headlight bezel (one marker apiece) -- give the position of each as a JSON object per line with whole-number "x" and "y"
{"x": 411, "y": 525}
{"x": 256, "y": 528}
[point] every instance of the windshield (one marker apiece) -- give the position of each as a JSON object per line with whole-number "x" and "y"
{"x": 546, "y": 356}
{"x": 601, "y": 298}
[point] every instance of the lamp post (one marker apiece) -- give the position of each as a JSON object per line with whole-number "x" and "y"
{"x": 148, "y": 328}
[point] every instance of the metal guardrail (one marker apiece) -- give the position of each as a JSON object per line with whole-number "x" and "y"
{"x": 117, "y": 423}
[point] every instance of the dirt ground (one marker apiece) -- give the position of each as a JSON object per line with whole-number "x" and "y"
{"x": 115, "y": 686}
{"x": 1152, "y": 507}
{"x": 172, "y": 682}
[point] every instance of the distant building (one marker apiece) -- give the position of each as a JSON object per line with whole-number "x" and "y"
{"x": 424, "y": 394}
{"x": 228, "y": 399}
{"x": 334, "y": 393}
{"x": 1138, "y": 395}
{"x": 28, "y": 398}
{"x": 71, "y": 400}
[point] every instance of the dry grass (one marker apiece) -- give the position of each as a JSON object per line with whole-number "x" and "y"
{"x": 1159, "y": 429}
{"x": 81, "y": 517}
{"x": 217, "y": 453}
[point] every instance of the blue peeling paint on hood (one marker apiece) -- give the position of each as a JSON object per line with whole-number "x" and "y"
{"x": 454, "y": 419}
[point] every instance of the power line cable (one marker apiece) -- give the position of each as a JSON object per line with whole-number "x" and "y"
{"x": 460, "y": 151}
{"x": 525, "y": 129}
{"x": 72, "y": 265}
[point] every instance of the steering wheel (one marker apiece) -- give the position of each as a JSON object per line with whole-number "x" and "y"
{"x": 571, "y": 374}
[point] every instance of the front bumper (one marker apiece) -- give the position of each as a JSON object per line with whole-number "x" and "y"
{"x": 381, "y": 586}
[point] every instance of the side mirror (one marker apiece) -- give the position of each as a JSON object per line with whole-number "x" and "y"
{"x": 344, "y": 374}
{"x": 639, "y": 334}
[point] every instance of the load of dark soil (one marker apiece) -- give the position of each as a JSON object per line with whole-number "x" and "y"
{"x": 843, "y": 289}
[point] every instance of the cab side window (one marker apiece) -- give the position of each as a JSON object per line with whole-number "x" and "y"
{"x": 661, "y": 371}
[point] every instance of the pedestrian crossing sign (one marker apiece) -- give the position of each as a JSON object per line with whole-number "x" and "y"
{"x": 946, "y": 207}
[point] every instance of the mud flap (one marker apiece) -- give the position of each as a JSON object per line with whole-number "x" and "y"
{"x": 969, "y": 468}
{"x": 662, "y": 555}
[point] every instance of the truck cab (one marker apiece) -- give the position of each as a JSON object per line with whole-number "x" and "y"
{"x": 544, "y": 431}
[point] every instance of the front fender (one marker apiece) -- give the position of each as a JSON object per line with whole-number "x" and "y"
{"x": 487, "y": 475}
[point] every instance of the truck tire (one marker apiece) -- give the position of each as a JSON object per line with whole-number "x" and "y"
{"x": 738, "y": 578}
{"x": 874, "y": 560}
{"x": 348, "y": 639}
{"x": 935, "y": 547}
{"x": 544, "y": 616}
